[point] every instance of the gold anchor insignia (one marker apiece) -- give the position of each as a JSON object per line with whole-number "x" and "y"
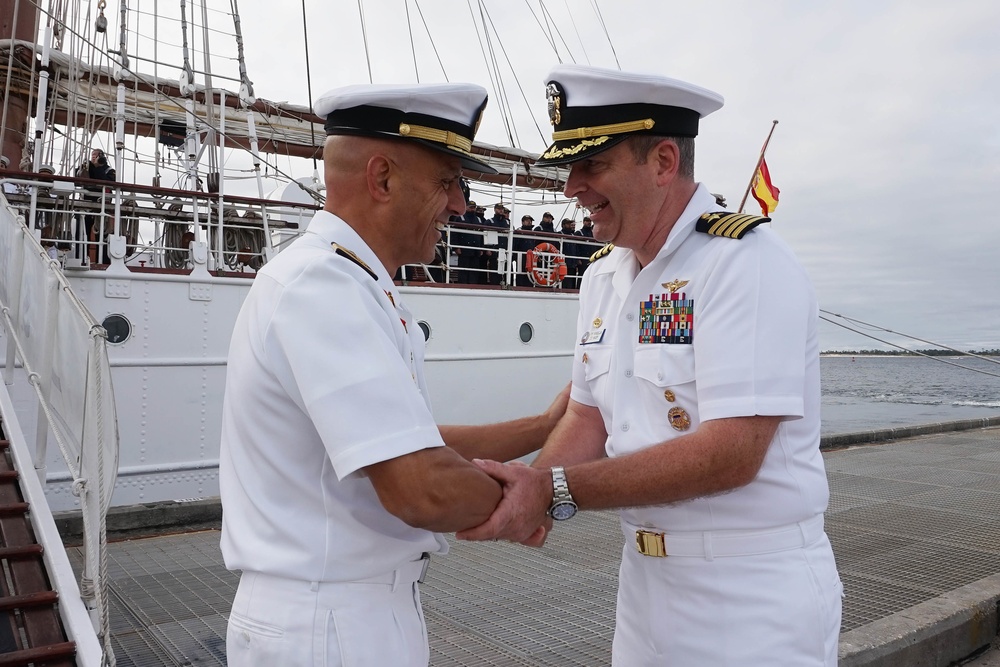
{"x": 555, "y": 101}
{"x": 597, "y": 322}
{"x": 674, "y": 285}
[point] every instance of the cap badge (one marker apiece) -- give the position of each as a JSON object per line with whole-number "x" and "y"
{"x": 679, "y": 419}
{"x": 554, "y": 95}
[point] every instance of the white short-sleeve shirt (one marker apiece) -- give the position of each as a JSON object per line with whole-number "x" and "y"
{"x": 325, "y": 377}
{"x": 712, "y": 328}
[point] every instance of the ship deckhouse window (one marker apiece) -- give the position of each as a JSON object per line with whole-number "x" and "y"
{"x": 118, "y": 327}
{"x": 426, "y": 328}
{"x": 526, "y": 332}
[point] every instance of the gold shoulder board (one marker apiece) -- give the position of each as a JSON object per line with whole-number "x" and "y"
{"x": 344, "y": 252}
{"x": 602, "y": 252}
{"x": 730, "y": 225}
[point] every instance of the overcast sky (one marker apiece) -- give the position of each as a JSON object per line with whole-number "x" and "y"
{"x": 887, "y": 153}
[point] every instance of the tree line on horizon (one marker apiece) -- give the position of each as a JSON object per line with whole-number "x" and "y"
{"x": 934, "y": 352}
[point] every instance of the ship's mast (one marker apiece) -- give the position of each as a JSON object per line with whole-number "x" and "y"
{"x": 18, "y": 21}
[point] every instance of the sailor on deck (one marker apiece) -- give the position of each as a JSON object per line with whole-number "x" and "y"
{"x": 695, "y": 400}
{"x": 335, "y": 480}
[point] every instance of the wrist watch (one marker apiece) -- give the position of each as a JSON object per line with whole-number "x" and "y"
{"x": 562, "y": 506}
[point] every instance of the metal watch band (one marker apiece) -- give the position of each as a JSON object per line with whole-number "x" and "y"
{"x": 560, "y": 488}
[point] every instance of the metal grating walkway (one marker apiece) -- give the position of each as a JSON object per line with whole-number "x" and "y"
{"x": 909, "y": 521}
{"x": 31, "y": 630}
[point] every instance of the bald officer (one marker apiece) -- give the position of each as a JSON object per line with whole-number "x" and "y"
{"x": 335, "y": 480}
{"x": 695, "y": 400}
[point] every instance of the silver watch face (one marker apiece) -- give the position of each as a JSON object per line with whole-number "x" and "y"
{"x": 562, "y": 511}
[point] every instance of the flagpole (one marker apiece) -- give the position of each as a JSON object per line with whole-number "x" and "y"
{"x": 756, "y": 167}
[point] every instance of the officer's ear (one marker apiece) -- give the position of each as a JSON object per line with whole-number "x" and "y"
{"x": 667, "y": 158}
{"x": 377, "y": 173}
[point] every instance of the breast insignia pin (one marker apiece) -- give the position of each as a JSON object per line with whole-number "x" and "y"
{"x": 669, "y": 395}
{"x": 674, "y": 285}
{"x": 597, "y": 322}
{"x": 679, "y": 419}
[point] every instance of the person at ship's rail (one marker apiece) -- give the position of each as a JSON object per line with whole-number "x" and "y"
{"x": 695, "y": 399}
{"x": 335, "y": 481}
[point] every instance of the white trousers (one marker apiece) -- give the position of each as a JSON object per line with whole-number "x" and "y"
{"x": 778, "y": 609}
{"x": 278, "y": 622}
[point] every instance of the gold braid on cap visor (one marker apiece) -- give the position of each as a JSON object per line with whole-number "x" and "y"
{"x": 449, "y": 139}
{"x": 601, "y": 130}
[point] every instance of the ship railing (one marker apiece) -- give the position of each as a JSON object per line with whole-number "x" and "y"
{"x": 62, "y": 352}
{"x": 154, "y": 227}
{"x": 145, "y": 227}
{"x": 476, "y": 255}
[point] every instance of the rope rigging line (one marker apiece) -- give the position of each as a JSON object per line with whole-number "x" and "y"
{"x": 364, "y": 35}
{"x": 562, "y": 39}
{"x": 498, "y": 80}
{"x": 572, "y": 20}
{"x": 309, "y": 88}
{"x": 545, "y": 34}
{"x": 917, "y": 352}
{"x": 600, "y": 18}
{"x": 433, "y": 44}
{"x": 489, "y": 72}
{"x": 409, "y": 30}
{"x": 520, "y": 88}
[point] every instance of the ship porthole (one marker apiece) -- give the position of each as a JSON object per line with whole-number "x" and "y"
{"x": 118, "y": 327}
{"x": 527, "y": 332}
{"x": 426, "y": 328}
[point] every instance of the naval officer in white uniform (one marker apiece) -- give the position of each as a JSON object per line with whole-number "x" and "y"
{"x": 695, "y": 405}
{"x": 335, "y": 480}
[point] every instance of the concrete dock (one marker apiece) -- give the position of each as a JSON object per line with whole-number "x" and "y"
{"x": 914, "y": 522}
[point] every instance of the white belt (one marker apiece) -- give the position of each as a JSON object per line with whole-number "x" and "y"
{"x": 408, "y": 573}
{"x": 722, "y": 543}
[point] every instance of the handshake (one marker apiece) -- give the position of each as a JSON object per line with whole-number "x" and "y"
{"x": 523, "y": 513}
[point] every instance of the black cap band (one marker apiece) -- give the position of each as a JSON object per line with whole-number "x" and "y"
{"x": 380, "y": 120}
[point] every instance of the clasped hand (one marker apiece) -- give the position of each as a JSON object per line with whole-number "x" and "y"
{"x": 521, "y": 515}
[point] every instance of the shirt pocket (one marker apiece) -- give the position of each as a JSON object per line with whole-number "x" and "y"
{"x": 596, "y": 363}
{"x": 665, "y": 365}
{"x": 667, "y": 390}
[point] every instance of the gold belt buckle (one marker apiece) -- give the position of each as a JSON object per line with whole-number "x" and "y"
{"x": 650, "y": 544}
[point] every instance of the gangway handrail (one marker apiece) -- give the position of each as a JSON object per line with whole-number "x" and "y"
{"x": 31, "y": 324}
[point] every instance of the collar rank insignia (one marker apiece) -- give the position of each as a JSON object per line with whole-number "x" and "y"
{"x": 674, "y": 285}
{"x": 602, "y": 252}
{"x": 730, "y": 225}
{"x": 344, "y": 252}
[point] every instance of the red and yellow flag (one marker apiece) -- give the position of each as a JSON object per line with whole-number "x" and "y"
{"x": 764, "y": 191}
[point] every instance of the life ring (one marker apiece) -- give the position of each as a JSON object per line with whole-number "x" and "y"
{"x": 546, "y": 265}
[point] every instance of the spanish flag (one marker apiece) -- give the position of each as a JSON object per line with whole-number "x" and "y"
{"x": 764, "y": 191}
